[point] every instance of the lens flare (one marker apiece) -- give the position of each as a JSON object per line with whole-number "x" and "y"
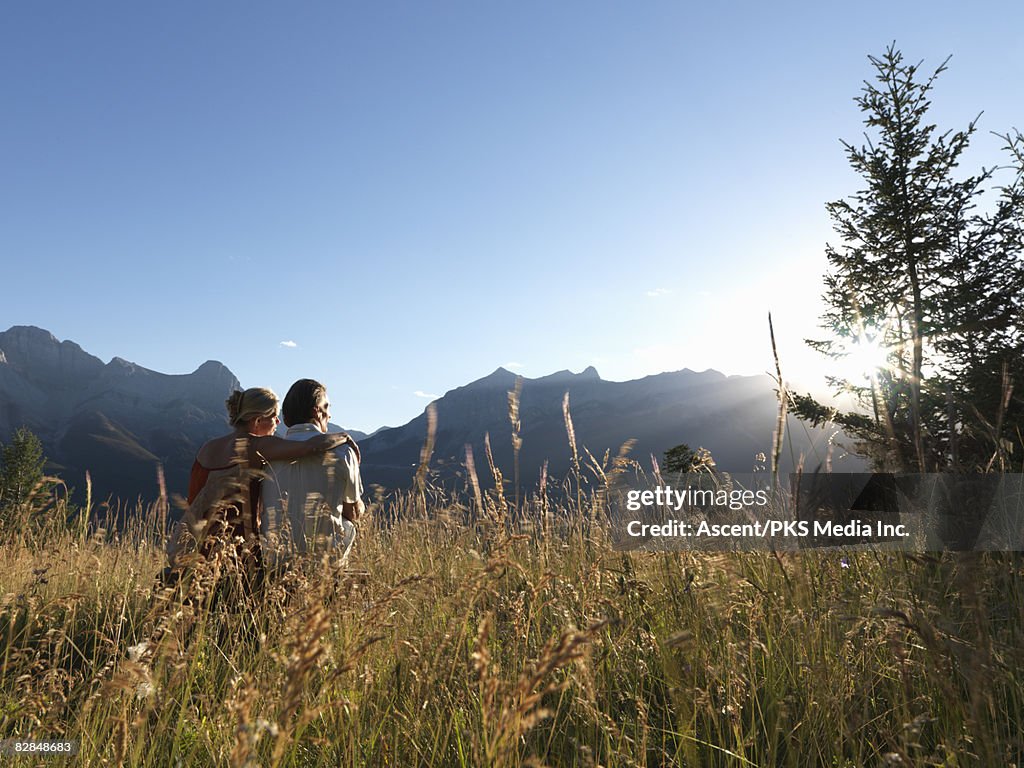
{"x": 863, "y": 360}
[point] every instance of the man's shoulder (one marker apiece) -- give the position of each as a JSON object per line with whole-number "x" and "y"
{"x": 301, "y": 432}
{"x": 298, "y": 433}
{"x": 346, "y": 452}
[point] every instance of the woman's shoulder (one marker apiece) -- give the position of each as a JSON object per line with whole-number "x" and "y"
{"x": 207, "y": 451}
{"x": 218, "y": 452}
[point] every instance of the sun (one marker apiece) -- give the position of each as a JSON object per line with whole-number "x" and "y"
{"x": 862, "y": 361}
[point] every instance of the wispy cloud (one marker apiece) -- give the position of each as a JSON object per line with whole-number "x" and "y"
{"x": 290, "y": 344}
{"x": 426, "y": 395}
{"x": 659, "y": 292}
{"x": 512, "y": 366}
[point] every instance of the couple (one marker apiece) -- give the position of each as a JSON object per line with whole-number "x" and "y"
{"x": 254, "y": 496}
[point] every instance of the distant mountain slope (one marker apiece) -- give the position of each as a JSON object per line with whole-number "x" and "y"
{"x": 117, "y": 420}
{"x": 732, "y": 416}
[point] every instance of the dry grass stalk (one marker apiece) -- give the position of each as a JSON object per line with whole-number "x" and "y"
{"x": 570, "y": 431}
{"x": 501, "y": 506}
{"x": 474, "y": 480}
{"x": 517, "y": 441}
{"x": 783, "y": 397}
{"x": 426, "y": 452}
{"x": 508, "y": 710}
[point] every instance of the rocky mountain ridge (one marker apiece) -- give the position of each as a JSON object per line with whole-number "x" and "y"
{"x": 119, "y": 420}
{"x": 732, "y": 416}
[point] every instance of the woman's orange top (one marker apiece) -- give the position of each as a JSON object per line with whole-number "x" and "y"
{"x": 198, "y": 477}
{"x": 238, "y": 524}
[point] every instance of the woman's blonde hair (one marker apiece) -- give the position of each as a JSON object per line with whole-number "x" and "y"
{"x": 253, "y": 402}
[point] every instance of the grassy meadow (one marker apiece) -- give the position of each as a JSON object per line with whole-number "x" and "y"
{"x": 499, "y": 644}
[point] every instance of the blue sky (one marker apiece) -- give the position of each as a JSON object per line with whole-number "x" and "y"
{"x": 413, "y": 194}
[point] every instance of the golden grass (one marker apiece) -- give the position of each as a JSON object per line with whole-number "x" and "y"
{"x": 492, "y": 644}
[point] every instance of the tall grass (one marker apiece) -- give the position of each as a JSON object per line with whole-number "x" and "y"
{"x": 479, "y": 633}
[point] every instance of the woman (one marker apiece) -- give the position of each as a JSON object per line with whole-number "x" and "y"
{"x": 224, "y": 500}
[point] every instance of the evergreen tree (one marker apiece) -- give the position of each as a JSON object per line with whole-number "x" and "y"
{"x": 925, "y": 275}
{"x": 679, "y": 458}
{"x": 982, "y": 349}
{"x": 21, "y": 468}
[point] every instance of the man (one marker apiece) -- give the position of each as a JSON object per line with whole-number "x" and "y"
{"x": 317, "y": 499}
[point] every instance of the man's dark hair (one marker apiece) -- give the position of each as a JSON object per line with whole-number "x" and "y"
{"x": 300, "y": 402}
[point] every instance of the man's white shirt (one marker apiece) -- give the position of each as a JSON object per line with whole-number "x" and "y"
{"x": 303, "y": 499}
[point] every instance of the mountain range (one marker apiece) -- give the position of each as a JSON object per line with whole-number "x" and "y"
{"x": 734, "y": 417}
{"x": 119, "y": 420}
